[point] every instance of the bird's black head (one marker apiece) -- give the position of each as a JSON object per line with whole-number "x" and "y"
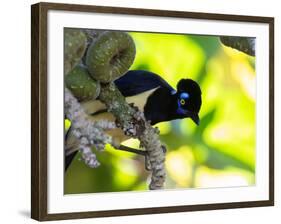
{"x": 187, "y": 100}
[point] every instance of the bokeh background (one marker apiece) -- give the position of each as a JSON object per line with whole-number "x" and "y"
{"x": 220, "y": 152}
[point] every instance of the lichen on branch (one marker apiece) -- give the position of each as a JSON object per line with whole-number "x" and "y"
{"x": 108, "y": 56}
{"x": 87, "y": 132}
{"x": 134, "y": 124}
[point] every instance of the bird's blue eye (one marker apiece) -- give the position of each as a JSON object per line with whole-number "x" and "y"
{"x": 184, "y": 96}
{"x": 181, "y": 102}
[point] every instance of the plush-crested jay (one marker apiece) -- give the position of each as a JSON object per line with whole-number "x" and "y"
{"x": 152, "y": 95}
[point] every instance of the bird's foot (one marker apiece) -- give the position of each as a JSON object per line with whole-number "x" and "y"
{"x": 129, "y": 149}
{"x": 140, "y": 152}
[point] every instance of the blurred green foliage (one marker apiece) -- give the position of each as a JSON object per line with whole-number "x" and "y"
{"x": 220, "y": 152}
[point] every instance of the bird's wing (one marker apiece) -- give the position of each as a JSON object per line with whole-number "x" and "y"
{"x": 138, "y": 81}
{"x": 133, "y": 83}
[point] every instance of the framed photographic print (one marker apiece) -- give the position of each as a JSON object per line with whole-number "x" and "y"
{"x": 138, "y": 111}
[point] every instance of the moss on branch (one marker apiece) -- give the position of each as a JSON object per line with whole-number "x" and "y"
{"x": 75, "y": 42}
{"x": 109, "y": 55}
{"x": 79, "y": 82}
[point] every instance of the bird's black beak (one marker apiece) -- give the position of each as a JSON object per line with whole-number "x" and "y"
{"x": 195, "y": 118}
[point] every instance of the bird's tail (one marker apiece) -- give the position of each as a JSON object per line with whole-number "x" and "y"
{"x": 71, "y": 148}
{"x": 68, "y": 160}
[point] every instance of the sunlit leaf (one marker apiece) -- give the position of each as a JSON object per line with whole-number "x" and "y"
{"x": 228, "y": 178}
{"x": 179, "y": 166}
{"x": 220, "y": 152}
{"x": 67, "y": 124}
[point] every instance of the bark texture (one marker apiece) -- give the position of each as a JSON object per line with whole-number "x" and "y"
{"x": 108, "y": 56}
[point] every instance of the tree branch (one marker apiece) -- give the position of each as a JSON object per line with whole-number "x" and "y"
{"x": 108, "y": 56}
{"x": 133, "y": 123}
{"x": 75, "y": 43}
{"x": 244, "y": 44}
{"x": 87, "y": 133}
